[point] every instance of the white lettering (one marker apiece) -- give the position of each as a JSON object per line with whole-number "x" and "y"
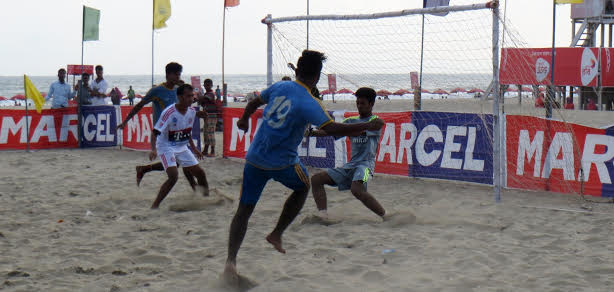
{"x": 406, "y": 144}
{"x": 110, "y": 137}
{"x": 561, "y": 143}
{"x": 315, "y": 151}
{"x": 133, "y": 128}
{"x": 100, "y": 128}
{"x": 45, "y": 127}
{"x": 9, "y": 126}
{"x": 589, "y": 157}
{"x": 89, "y": 120}
{"x": 429, "y": 132}
{"x": 470, "y": 163}
{"x": 388, "y": 144}
{"x": 449, "y": 147}
{"x": 67, "y": 127}
{"x": 532, "y": 149}
{"x": 146, "y": 130}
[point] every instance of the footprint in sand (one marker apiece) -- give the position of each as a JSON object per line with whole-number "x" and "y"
{"x": 399, "y": 218}
{"x": 317, "y": 219}
{"x": 199, "y": 203}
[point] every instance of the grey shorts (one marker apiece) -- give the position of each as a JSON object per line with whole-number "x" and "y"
{"x": 344, "y": 176}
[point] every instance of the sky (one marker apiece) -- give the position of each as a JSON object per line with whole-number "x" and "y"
{"x": 40, "y": 36}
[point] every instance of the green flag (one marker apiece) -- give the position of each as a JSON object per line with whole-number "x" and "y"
{"x": 91, "y": 18}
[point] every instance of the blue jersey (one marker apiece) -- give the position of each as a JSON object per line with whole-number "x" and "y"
{"x": 290, "y": 108}
{"x": 161, "y": 97}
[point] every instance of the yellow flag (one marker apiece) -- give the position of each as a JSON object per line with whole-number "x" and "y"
{"x": 568, "y": 1}
{"x": 161, "y": 13}
{"x": 33, "y": 94}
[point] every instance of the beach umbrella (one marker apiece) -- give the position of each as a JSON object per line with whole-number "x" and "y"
{"x": 3, "y": 98}
{"x": 458, "y": 89}
{"x": 345, "y": 90}
{"x": 511, "y": 89}
{"x": 425, "y": 91}
{"x": 326, "y": 91}
{"x": 526, "y": 89}
{"x": 401, "y": 92}
{"x": 383, "y": 92}
{"x": 474, "y": 90}
{"x": 138, "y": 95}
{"x": 19, "y": 97}
{"x": 440, "y": 91}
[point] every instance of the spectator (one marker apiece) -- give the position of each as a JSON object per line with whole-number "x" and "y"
{"x": 82, "y": 90}
{"x": 569, "y": 103}
{"x": 59, "y": 91}
{"x": 99, "y": 88}
{"x": 591, "y": 106}
{"x": 207, "y": 101}
{"x": 218, "y": 93}
{"x": 131, "y": 95}
{"x": 115, "y": 96}
{"x": 540, "y": 100}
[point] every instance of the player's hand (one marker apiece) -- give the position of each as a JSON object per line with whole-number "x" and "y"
{"x": 202, "y": 114}
{"x": 199, "y": 154}
{"x": 153, "y": 154}
{"x": 119, "y": 127}
{"x": 376, "y": 124}
{"x": 243, "y": 124}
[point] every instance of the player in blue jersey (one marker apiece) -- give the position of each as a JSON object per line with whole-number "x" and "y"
{"x": 289, "y": 109}
{"x": 161, "y": 97}
{"x": 355, "y": 174}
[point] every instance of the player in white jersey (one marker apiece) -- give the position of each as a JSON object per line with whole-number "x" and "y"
{"x": 172, "y": 135}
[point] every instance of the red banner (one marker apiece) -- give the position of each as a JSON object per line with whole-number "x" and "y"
{"x": 332, "y": 82}
{"x": 52, "y": 128}
{"x": 76, "y": 69}
{"x": 236, "y": 142}
{"x": 137, "y": 133}
{"x": 573, "y": 66}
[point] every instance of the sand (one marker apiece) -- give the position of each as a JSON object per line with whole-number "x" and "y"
{"x": 74, "y": 220}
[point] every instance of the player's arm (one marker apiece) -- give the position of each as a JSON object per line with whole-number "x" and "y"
{"x": 339, "y": 129}
{"x": 252, "y": 106}
{"x": 134, "y": 111}
{"x": 195, "y": 150}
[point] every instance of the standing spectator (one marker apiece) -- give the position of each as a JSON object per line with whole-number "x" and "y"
{"x": 131, "y": 95}
{"x": 59, "y": 91}
{"x": 99, "y": 87}
{"x": 207, "y": 101}
{"x": 82, "y": 90}
{"x": 218, "y": 93}
{"x": 115, "y": 96}
{"x": 569, "y": 104}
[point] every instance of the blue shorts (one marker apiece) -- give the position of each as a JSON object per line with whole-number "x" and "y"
{"x": 345, "y": 175}
{"x": 254, "y": 179}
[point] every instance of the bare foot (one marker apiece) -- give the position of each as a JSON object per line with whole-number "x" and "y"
{"x": 276, "y": 242}
{"x": 139, "y": 175}
{"x": 231, "y": 277}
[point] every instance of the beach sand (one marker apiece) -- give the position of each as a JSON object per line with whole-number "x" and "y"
{"x": 74, "y": 220}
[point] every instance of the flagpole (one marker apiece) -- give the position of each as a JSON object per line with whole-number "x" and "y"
{"x": 224, "y": 88}
{"x": 418, "y": 104}
{"x": 79, "y": 118}
{"x": 308, "y": 25}
{"x": 27, "y": 122}
{"x": 551, "y": 91}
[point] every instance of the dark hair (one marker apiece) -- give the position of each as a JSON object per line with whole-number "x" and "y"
{"x": 183, "y": 87}
{"x": 310, "y": 63}
{"x": 286, "y": 78}
{"x": 98, "y": 67}
{"x": 366, "y": 92}
{"x": 84, "y": 75}
{"x": 208, "y": 80}
{"x": 173, "y": 67}
{"x": 61, "y": 69}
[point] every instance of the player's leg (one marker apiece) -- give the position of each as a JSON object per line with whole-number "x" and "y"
{"x": 254, "y": 180}
{"x": 212, "y": 124}
{"x": 189, "y": 163}
{"x": 166, "y": 186}
{"x": 317, "y": 188}
{"x": 141, "y": 170}
{"x": 359, "y": 190}
{"x": 190, "y": 177}
{"x": 296, "y": 178}
{"x": 199, "y": 173}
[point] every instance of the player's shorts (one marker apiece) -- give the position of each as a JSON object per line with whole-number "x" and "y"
{"x": 183, "y": 158}
{"x": 294, "y": 177}
{"x": 345, "y": 175}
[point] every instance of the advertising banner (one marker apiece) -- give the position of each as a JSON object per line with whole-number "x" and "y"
{"x": 99, "y": 124}
{"x": 52, "y": 128}
{"x": 560, "y": 157}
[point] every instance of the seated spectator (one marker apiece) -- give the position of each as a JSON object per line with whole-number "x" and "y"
{"x": 539, "y": 102}
{"x": 591, "y": 106}
{"x": 569, "y": 103}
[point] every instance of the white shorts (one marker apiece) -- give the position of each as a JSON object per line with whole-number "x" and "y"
{"x": 171, "y": 158}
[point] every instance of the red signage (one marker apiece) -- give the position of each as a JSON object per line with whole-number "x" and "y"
{"x": 195, "y": 80}
{"x": 52, "y": 128}
{"x": 137, "y": 132}
{"x": 573, "y": 66}
{"x": 76, "y": 69}
{"x": 332, "y": 82}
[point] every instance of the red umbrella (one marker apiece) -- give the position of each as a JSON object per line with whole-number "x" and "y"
{"x": 383, "y": 92}
{"x": 425, "y": 91}
{"x": 19, "y": 97}
{"x": 345, "y": 90}
{"x": 526, "y": 89}
{"x": 511, "y": 89}
{"x": 401, "y": 92}
{"x": 440, "y": 91}
{"x": 542, "y": 89}
{"x": 325, "y": 91}
{"x": 3, "y": 98}
{"x": 474, "y": 90}
{"x": 458, "y": 89}
{"x": 138, "y": 95}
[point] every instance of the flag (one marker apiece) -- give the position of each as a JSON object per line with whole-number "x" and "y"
{"x": 568, "y": 1}
{"x": 231, "y": 3}
{"x": 162, "y": 12}
{"x": 33, "y": 94}
{"x": 91, "y": 18}
{"x": 435, "y": 3}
